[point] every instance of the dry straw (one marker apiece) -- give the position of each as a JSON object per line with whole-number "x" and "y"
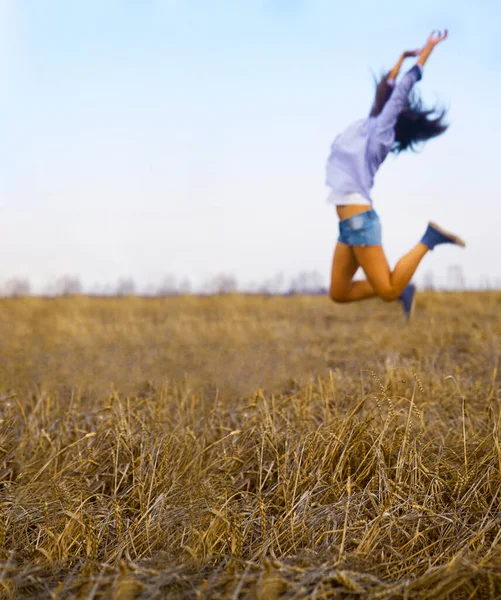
{"x": 249, "y": 448}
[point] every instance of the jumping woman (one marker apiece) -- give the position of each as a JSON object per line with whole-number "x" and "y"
{"x": 397, "y": 122}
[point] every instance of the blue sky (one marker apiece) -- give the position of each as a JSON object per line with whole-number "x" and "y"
{"x": 147, "y": 137}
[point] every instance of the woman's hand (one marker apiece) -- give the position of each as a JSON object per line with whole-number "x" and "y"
{"x": 436, "y": 37}
{"x": 409, "y": 53}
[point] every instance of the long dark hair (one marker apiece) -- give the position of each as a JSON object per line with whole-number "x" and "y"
{"x": 416, "y": 124}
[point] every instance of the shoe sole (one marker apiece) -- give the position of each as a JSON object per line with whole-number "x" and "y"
{"x": 454, "y": 238}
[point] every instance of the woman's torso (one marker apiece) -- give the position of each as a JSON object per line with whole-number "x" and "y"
{"x": 356, "y": 155}
{"x": 346, "y": 211}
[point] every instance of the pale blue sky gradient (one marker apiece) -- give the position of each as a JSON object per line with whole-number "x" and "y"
{"x": 146, "y": 137}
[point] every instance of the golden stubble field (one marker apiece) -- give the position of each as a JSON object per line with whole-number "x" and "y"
{"x": 233, "y": 447}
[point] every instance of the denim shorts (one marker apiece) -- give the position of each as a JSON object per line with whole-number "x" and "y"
{"x": 363, "y": 229}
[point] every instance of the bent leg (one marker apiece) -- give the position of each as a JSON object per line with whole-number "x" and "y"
{"x": 388, "y": 285}
{"x": 344, "y": 267}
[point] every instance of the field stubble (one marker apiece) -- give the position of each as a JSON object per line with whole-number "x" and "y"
{"x": 241, "y": 447}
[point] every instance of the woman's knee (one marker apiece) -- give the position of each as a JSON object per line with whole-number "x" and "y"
{"x": 337, "y": 295}
{"x": 388, "y": 294}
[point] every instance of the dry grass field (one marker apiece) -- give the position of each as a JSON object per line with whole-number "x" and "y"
{"x": 234, "y": 447}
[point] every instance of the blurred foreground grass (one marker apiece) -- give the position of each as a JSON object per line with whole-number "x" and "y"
{"x": 241, "y": 447}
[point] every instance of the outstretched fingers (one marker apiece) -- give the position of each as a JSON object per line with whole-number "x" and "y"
{"x": 438, "y": 36}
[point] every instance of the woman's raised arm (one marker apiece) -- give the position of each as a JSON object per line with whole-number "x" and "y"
{"x": 435, "y": 38}
{"x": 393, "y": 74}
{"x": 398, "y": 99}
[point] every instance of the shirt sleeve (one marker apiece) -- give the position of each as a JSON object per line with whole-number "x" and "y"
{"x": 387, "y": 119}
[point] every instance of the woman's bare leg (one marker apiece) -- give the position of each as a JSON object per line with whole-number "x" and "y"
{"x": 381, "y": 282}
{"x": 344, "y": 267}
{"x": 387, "y": 284}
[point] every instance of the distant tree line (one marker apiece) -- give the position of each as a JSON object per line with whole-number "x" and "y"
{"x": 305, "y": 282}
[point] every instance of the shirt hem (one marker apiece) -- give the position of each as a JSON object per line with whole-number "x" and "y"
{"x": 345, "y": 199}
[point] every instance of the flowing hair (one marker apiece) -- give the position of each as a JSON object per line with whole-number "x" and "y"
{"x": 415, "y": 124}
